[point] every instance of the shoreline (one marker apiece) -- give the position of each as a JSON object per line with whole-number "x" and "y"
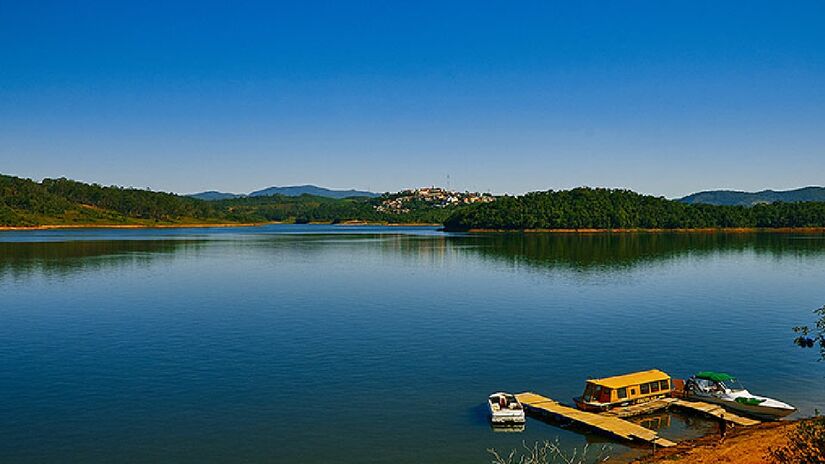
{"x": 724, "y": 230}
{"x": 388, "y": 224}
{"x": 743, "y": 445}
{"x": 200, "y": 225}
{"x": 132, "y": 226}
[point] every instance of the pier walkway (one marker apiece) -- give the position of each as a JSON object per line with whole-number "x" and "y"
{"x": 604, "y": 423}
{"x": 708, "y": 409}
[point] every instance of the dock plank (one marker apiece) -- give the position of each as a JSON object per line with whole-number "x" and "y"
{"x": 708, "y": 409}
{"x": 641, "y": 408}
{"x": 715, "y": 411}
{"x": 604, "y": 423}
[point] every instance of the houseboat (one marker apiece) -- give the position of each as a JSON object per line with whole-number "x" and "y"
{"x": 505, "y": 408}
{"x": 624, "y": 390}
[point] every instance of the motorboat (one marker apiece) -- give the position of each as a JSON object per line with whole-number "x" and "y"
{"x": 724, "y": 390}
{"x": 505, "y": 408}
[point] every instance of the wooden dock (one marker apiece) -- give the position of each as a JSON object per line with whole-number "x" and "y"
{"x": 641, "y": 409}
{"x": 604, "y": 423}
{"x": 707, "y": 409}
{"x": 714, "y": 410}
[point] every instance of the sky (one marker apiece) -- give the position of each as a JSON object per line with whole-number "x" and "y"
{"x": 661, "y": 97}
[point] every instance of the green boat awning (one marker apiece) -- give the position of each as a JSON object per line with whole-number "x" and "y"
{"x": 714, "y": 376}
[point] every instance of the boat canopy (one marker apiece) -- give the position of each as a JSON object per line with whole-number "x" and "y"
{"x": 715, "y": 376}
{"x": 636, "y": 378}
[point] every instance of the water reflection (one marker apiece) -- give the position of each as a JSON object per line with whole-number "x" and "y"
{"x": 221, "y": 335}
{"x": 656, "y": 421}
{"x": 580, "y": 252}
{"x": 62, "y": 258}
{"x": 616, "y": 251}
{"x": 507, "y": 428}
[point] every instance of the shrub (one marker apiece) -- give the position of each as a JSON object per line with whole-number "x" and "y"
{"x": 806, "y": 443}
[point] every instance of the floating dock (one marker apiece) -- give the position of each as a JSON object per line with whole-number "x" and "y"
{"x": 707, "y": 409}
{"x": 605, "y": 423}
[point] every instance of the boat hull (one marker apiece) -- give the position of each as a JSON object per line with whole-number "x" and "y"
{"x": 590, "y": 407}
{"x": 754, "y": 410}
{"x": 601, "y": 407}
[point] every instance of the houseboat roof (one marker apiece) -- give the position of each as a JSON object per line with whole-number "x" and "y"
{"x": 635, "y": 378}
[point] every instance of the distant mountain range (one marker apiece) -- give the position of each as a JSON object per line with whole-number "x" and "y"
{"x": 212, "y": 195}
{"x": 736, "y": 198}
{"x": 289, "y": 191}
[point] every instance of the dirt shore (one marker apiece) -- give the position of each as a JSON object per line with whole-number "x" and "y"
{"x": 200, "y": 225}
{"x": 742, "y": 445}
{"x": 729, "y": 230}
{"x": 388, "y": 224}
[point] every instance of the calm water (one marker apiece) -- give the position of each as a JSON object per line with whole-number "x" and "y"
{"x": 320, "y": 344}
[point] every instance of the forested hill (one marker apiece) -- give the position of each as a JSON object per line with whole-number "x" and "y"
{"x": 586, "y": 208}
{"x": 289, "y": 191}
{"x": 24, "y": 202}
{"x": 298, "y": 190}
{"x": 736, "y": 198}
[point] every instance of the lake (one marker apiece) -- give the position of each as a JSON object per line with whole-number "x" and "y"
{"x": 318, "y": 344}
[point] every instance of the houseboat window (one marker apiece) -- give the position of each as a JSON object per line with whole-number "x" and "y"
{"x": 645, "y": 388}
{"x": 664, "y": 384}
{"x": 590, "y": 392}
{"x": 622, "y": 392}
{"x": 654, "y": 387}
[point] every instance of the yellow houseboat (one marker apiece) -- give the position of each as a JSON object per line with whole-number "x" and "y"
{"x": 624, "y": 390}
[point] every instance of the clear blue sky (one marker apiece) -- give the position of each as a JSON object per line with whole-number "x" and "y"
{"x": 661, "y": 97}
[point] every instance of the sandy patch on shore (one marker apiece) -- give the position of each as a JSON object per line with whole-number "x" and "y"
{"x": 743, "y": 445}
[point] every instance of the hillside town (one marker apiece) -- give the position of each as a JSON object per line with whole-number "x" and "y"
{"x": 437, "y": 197}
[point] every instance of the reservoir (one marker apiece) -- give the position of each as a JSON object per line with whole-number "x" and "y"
{"x": 319, "y": 344}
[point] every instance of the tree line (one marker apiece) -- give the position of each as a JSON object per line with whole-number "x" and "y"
{"x": 62, "y": 201}
{"x": 57, "y": 201}
{"x": 599, "y": 208}
{"x": 24, "y": 202}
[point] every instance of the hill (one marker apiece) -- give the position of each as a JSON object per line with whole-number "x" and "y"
{"x": 737, "y": 198}
{"x": 24, "y": 202}
{"x": 586, "y": 208}
{"x": 288, "y": 191}
{"x": 313, "y": 208}
{"x": 298, "y": 190}
{"x": 213, "y": 195}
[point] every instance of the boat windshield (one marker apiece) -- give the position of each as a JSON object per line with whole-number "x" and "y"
{"x": 732, "y": 385}
{"x": 591, "y": 392}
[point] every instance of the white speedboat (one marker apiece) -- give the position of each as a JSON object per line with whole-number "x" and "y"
{"x": 505, "y": 408}
{"x": 724, "y": 390}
